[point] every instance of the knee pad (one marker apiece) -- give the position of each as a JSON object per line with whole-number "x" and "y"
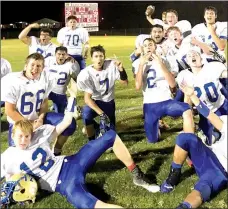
{"x": 204, "y": 189}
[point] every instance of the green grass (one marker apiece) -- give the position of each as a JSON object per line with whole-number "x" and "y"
{"x": 109, "y": 180}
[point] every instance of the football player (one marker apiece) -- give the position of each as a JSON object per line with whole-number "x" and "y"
{"x": 64, "y": 174}
{"x": 158, "y": 85}
{"x": 205, "y": 80}
{"x": 42, "y": 45}
{"x": 76, "y": 40}
{"x": 98, "y": 83}
{"x": 26, "y": 97}
{"x": 63, "y": 71}
{"x": 210, "y": 162}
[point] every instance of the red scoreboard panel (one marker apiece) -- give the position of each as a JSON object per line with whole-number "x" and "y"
{"x": 86, "y": 13}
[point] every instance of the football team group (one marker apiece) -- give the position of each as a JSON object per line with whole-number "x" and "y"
{"x": 182, "y": 72}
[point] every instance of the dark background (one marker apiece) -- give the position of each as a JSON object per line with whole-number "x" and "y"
{"x": 118, "y": 15}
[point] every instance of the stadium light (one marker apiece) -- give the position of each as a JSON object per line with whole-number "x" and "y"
{"x": 11, "y": 24}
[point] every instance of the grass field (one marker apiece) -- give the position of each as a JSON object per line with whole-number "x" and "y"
{"x": 109, "y": 180}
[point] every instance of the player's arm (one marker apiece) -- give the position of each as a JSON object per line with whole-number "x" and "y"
{"x": 166, "y": 73}
{"x": 68, "y": 115}
{"x": 221, "y": 43}
{"x": 201, "y": 107}
{"x": 23, "y": 36}
{"x": 203, "y": 46}
{"x": 88, "y": 100}
{"x": 86, "y": 50}
{"x": 123, "y": 74}
{"x": 11, "y": 111}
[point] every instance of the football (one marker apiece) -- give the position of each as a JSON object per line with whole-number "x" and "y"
{"x": 149, "y": 10}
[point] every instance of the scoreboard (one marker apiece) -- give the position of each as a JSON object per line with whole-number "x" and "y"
{"x": 86, "y": 14}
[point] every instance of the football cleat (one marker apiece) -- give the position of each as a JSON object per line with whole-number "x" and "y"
{"x": 172, "y": 180}
{"x": 139, "y": 179}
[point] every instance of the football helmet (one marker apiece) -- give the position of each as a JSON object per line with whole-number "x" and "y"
{"x": 19, "y": 188}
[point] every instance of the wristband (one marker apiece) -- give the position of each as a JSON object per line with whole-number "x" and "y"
{"x": 71, "y": 104}
{"x": 123, "y": 75}
{"x": 203, "y": 109}
{"x": 133, "y": 57}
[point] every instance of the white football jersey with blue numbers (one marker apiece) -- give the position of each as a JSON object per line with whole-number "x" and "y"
{"x": 46, "y": 51}
{"x": 101, "y": 84}
{"x": 37, "y": 160}
{"x": 62, "y": 73}
{"x": 155, "y": 87}
{"x": 73, "y": 40}
{"x": 206, "y": 83}
{"x": 26, "y": 94}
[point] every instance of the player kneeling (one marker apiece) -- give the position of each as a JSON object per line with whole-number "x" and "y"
{"x": 32, "y": 154}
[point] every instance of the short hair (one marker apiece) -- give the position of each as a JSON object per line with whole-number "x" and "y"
{"x": 98, "y": 48}
{"x": 150, "y": 40}
{"x": 172, "y": 28}
{"x": 61, "y": 48}
{"x": 157, "y": 26}
{"x": 25, "y": 126}
{"x": 35, "y": 56}
{"x": 71, "y": 17}
{"x": 47, "y": 30}
{"x": 172, "y": 11}
{"x": 210, "y": 8}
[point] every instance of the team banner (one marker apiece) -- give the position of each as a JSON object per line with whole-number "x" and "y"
{"x": 86, "y": 13}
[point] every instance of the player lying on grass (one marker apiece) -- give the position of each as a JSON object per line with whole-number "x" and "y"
{"x": 66, "y": 175}
{"x": 210, "y": 162}
{"x": 26, "y": 97}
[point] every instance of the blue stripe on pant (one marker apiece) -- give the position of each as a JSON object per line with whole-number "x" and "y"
{"x": 212, "y": 176}
{"x": 51, "y": 118}
{"x": 73, "y": 171}
{"x": 154, "y": 111}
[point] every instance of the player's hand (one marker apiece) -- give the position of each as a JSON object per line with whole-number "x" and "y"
{"x": 104, "y": 123}
{"x": 145, "y": 58}
{"x": 119, "y": 65}
{"x": 211, "y": 27}
{"x": 188, "y": 90}
{"x": 70, "y": 59}
{"x": 35, "y": 25}
{"x": 156, "y": 58}
{"x": 194, "y": 41}
{"x": 37, "y": 123}
{"x": 85, "y": 56}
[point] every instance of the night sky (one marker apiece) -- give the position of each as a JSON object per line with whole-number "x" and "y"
{"x": 116, "y": 14}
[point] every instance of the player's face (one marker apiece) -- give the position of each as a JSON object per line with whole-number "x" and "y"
{"x": 98, "y": 60}
{"x": 21, "y": 139}
{"x": 210, "y": 16}
{"x": 72, "y": 24}
{"x": 148, "y": 47}
{"x": 194, "y": 59}
{"x": 175, "y": 37}
{"x": 171, "y": 18}
{"x": 45, "y": 38}
{"x": 33, "y": 68}
{"x": 60, "y": 57}
{"x": 157, "y": 34}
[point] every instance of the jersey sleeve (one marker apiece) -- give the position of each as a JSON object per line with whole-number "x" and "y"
{"x": 5, "y": 68}
{"x": 10, "y": 92}
{"x": 159, "y": 22}
{"x": 3, "y": 163}
{"x": 34, "y": 40}
{"x": 137, "y": 42}
{"x": 85, "y": 36}
{"x": 84, "y": 83}
{"x": 60, "y": 36}
{"x": 135, "y": 66}
{"x": 223, "y": 31}
{"x": 216, "y": 69}
{"x": 75, "y": 69}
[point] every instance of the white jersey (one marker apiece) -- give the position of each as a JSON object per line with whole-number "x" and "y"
{"x": 155, "y": 87}
{"x": 26, "y": 94}
{"x": 201, "y": 31}
{"x": 101, "y": 84}
{"x": 220, "y": 147}
{"x": 46, "y": 51}
{"x": 37, "y": 158}
{"x": 73, "y": 40}
{"x": 206, "y": 84}
{"x": 5, "y": 67}
{"x": 62, "y": 73}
